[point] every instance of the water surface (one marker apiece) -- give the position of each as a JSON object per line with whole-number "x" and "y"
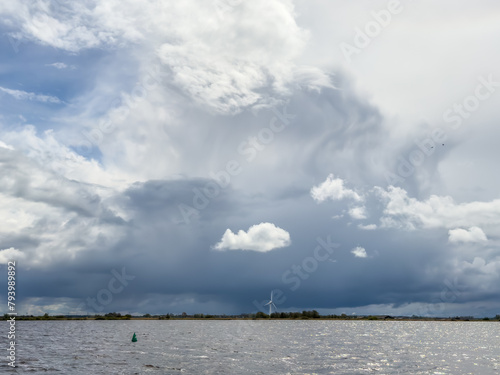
{"x": 255, "y": 347}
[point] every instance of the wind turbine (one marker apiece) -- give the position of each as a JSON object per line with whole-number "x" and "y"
{"x": 271, "y": 304}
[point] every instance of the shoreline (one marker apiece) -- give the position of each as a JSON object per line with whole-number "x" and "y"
{"x": 364, "y": 318}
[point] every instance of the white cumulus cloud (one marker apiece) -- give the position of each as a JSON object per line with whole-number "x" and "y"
{"x": 262, "y": 237}
{"x": 435, "y": 212}
{"x": 473, "y": 234}
{"x": 10, "y": 254}
{"x": 359, "y": 252}
{"x": 358, "y": 213}
{"x": 333, "y": 188}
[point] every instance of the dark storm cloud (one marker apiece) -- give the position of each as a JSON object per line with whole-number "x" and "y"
{"x": 172, "y": 261}
{"x": 168, "y": 262}
{"x": 174, "y": 267}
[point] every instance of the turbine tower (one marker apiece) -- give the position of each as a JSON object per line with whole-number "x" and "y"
{"x": 271, "y": 304}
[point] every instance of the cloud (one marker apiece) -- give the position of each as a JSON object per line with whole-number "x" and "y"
{"x": 61, "y": 65}
{"x": 333, "y": 188}
{"x": 488, "y": 270}
{"x": 10, "y": 254}
{"x": 262, "y": 237}
{"x": 358, "y": 213}
{"x": 367, "y": 227}
{"x": 232, "y": 57}
{"x": 73, "y": 27}
{"x": 474, "y": 234}
{"x": 359, "y": 252}
{"x": 54, "y": 200}
{"x": 226, "y": 65}
{"x": 402, "y": 211}
{"x": 24, "y": 95}
{"x": 8, "y": 147}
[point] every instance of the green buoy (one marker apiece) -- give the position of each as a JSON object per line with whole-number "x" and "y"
{"x": 134, "y": 339}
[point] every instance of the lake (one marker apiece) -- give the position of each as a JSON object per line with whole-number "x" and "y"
{"x": 254, "y": 347}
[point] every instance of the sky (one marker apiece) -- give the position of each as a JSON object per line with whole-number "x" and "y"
{"x": 166, "y": 157}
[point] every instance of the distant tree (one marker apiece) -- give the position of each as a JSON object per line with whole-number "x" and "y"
{"x": 310, "y": 314}
{"x": 261, "y": 315}
{"x": 147, "y": 315}
{"x": 113, "y": 315}
{"x": 184, "y": 315}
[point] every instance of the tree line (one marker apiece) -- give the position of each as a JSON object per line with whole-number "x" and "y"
{"x": 313, "y": 314}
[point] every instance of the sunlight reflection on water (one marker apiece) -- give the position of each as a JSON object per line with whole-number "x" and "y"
{"x": 262, "y": 347}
